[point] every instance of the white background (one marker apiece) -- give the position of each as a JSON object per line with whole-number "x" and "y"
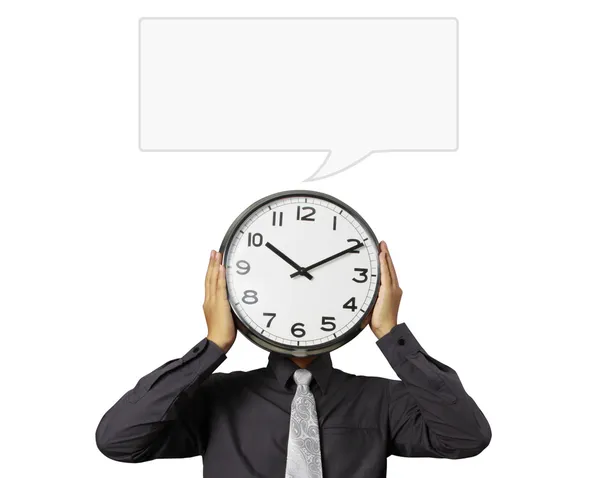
{"x": 103, "y": 247}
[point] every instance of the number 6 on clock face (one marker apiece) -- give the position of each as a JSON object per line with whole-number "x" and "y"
{"x": 302, "y": 272}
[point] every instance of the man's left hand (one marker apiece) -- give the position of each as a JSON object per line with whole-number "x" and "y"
{"x": 385, "y": 313}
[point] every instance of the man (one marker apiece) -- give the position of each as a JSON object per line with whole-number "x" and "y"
{"x": 297, "y": 417}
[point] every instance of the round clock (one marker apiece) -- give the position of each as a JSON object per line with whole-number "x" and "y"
{"x": 302, "y": 272}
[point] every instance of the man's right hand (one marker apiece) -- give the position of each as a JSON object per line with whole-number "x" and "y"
{"x": 221, "y": 329}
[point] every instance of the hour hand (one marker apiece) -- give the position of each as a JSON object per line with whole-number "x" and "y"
{"x": 299, "y": 270}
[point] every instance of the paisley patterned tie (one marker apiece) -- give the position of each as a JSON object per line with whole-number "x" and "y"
{"x": 304, "y": 446}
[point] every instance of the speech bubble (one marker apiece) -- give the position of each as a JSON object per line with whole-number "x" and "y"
{"x": 347, "y": 87}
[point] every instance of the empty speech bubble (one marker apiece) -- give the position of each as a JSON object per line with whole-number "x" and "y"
{"x": 347, "y": 87}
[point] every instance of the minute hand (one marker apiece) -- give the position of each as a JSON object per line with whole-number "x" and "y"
{"x": 330, "y": 258}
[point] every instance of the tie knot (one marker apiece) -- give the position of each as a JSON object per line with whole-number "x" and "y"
{"x": 302, "y": 376}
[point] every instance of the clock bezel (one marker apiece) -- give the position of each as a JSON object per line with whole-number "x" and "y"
{"x": 299, "y": 351}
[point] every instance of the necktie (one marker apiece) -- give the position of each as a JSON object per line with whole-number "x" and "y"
{"x": 304, "y": 446}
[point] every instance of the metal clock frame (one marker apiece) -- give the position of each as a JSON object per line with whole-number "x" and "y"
{"x": 271, "y": 345}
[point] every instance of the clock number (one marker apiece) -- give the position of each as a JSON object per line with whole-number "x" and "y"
{"x": 306, "y": 217}
{"x": 243, "y": 267}
{"x": 335, "y": 223}
{"x": 250, "y": 297}
{"x": 269, "y": 314}
{"x": 351, "y": 304}
{"x": 275, "y": 219}
{"x": 297, "y": 330}
{"x": 356, "y": 242}
{"x": 328, "y": 324}
{"x": 255, "y": 240}
{"x": 362, "y": 275}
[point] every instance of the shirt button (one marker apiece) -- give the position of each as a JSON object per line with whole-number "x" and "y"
{"x": 400, "y": 341}
{"x": 195, "y": 350}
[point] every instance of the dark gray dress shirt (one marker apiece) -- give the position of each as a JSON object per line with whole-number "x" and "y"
{"x": 239, "y": 422}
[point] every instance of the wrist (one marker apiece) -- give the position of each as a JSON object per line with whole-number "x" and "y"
{"x": 224, "y": 345}
{"x": 383, "y": 330}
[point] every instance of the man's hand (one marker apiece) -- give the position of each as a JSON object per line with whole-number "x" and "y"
{"x": 221, "y": 329}
{"x": 385, "y": 313}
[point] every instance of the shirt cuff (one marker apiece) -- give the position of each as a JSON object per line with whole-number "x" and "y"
{"x": 210, "y": 352}
{"x": 399, "y": 344}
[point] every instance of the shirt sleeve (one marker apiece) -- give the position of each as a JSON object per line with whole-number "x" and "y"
{"x": 155, "y": 419}
{"x": 430, "y": 413}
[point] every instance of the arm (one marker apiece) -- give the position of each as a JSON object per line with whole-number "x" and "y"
{"x": 166, "y": 414}
{"x": 430, "y": 413}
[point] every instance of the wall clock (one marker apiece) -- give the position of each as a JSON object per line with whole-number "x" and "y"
{"x": 302, "y": 272}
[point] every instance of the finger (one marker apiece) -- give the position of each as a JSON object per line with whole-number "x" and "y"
{"x": 221, "y": 283}
{"x": 383, "y": 246}
{"x": 386, "y": 280}
{"x": 215, "y": 273}
{"x": 207, "y": 283}
{"x": 392, "y": 269}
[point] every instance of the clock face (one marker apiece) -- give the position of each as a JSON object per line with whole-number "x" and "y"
{"x": 302, "y": 272}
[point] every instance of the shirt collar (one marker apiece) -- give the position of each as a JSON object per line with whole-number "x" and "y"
{"x": 283, "y": 368}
